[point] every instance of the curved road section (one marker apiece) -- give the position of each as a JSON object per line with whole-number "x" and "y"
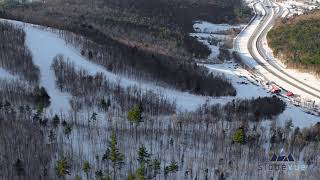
{"x": 249, "y": 44}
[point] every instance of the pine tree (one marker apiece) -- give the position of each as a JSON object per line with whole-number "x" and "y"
{"x": 156, "y": 165}
{"x": 130, "y": 176}
{"x": 171, "y": 168}
{"x": 113, "y": 154}
{"x": 55, "y": 120}
{"x": 62, "y": 168}
{"x": 141, "y": 172}
{"x": 143, "y": 159}
{"x": 289, "y": 124}
{"x": 19, "y": 167}
{"x": 67, "y": 129}
{"x": 239, "y": 136}
{"x": 143, "y": 155}
{"x": 86, "y": 168}
{"x": 77, "y": 177}
{"x": 41, "y": 97}
{"x": 94, "y": 116}
{"x": 135, "y": 115}
{"x": 99, "y": 175}
{"x": 103, "y": 104}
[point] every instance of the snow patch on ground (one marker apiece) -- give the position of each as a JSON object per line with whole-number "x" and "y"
{"x": 215, "y": 32}
{"x": 242, "y": 80}
{"x": 299, "y": 118}
{"x": 299, "y": 7}
{"x": 6, "y": 75}
{"x": 208, "y": 28}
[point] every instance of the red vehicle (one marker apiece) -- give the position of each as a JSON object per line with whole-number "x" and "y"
{"x": 289, "y": 94}
{"x": 275, "y": 90}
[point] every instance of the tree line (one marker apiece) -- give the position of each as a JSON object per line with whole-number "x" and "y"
{"x": 182, "y": 75}
{"x": 97, "y": 90}
{"x": 14, "y": 55}
{"x": 254, "y": 110}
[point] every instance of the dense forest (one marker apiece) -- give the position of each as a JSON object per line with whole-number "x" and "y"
{"x": 296, "y": 41}
{"x": 14, "y": 56}
{"x": 159, "y": 26}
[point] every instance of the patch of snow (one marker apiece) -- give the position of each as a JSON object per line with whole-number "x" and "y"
{"x": 299, "y": 118}
{"x": 298, "y": 7}
{"x": 6, "y": 75}
{"x": 216, "y": 32}
{"x": 210, "y": 28}
{"x": 242, "y": 80}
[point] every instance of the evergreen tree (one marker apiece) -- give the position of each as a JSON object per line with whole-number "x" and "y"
{"x": 99, "y": 175}
{"x": 86, "y": 168}
{"x": 114, "y": 155}
{"x": 143, "y": 159}
{"x": 94, "y": 116}
{"x": 141, "y": 172}
{"x": 171, "y": 168}
{"x": 135, "y": 115}
{"x": 289, "y": 124}
{"x": 143, "y": 155}
{"x": 67, "y": 129}
{"x": 77, "y": 177}
{"x": 156, "y": 165}
{"x": 55, "y": 120}
{"x": 41, "y": 97}
{"x": 105, "y": 105}
{"x": 19, "y": 167}
{"x": 130, "y": 176}
{"x": 239, "y": 136}
{"x": 62, "y": 168}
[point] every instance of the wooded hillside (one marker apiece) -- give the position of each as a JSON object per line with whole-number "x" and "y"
{"x": 159, "y": 26}
{"x": 296, "y": 41}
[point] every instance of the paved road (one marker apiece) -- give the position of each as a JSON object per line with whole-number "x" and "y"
{"x": 256, "y": 41}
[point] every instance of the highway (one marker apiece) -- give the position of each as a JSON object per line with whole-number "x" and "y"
{"x": 259, "y": 54}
